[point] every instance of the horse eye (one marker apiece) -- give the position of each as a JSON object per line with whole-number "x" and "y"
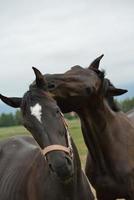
{"x": 51, "y": 85}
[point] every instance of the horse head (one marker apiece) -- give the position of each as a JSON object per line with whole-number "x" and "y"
{"x": 43, "y": 118}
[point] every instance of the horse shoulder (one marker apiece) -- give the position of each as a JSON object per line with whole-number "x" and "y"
{"x": 18, "y": 156}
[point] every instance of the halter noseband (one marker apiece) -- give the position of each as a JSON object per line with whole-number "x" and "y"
{"x": 57, "y": 147}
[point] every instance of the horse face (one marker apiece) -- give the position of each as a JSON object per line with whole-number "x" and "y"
{"x": 73, "y": 87}
{"x": 43, "y": 118}
{"x": 77, "y": 82}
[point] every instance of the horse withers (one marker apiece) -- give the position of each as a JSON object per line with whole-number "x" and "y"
{"x": 108, "y": 132}
{"x": 48, "y": 170}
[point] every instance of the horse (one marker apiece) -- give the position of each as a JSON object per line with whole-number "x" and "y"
{"x": 108, "y": 132}
{"x": 47, "y": 165}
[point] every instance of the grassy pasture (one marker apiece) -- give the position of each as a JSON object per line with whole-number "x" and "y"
{"x": 75, "y": 131}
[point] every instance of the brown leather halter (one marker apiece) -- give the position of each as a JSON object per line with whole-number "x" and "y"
{"x": 57, "y": 147}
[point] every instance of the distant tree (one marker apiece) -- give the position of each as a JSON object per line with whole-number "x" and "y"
{"x": 127, "y": 104}
{"x": 18, "y": 117}
{"x": 7, "y": 120}
{"x": 3, "y": 120}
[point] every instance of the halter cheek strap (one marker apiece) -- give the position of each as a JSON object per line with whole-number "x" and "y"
{"x": 56, "y": 147}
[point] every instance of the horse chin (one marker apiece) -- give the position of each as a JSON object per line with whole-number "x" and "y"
{"x": 66, "y": 180}
{"x": 63, "y": 179}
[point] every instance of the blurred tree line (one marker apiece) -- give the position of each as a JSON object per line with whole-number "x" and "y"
{"x": 11, "y": 119}
{"x": 127, "y": 104}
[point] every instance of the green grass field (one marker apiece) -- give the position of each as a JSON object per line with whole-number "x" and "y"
{"x": 75, "y": 131}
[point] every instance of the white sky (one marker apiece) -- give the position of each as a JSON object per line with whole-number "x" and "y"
{"x": 54, "y": 35}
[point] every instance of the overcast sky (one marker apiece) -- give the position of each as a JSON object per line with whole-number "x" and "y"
{"x": 54, "y": 35}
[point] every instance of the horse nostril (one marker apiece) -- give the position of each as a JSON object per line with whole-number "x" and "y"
{"x": 69, "y": 161}
{"x": 88, "y": 90}
{"x": 50, "y": 166}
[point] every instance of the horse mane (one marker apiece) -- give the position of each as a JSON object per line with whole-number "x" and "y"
{"x": 113, "y": 105}
{"x": 25, "y": 99}
{"x": 110, "y": 99}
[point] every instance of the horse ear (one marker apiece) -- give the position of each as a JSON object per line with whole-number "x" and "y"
{"x": 40, "y": 80}
{"x": 11, "y": 101}
{"x": 112, "y": 91}
{"x": 95, "y": 64}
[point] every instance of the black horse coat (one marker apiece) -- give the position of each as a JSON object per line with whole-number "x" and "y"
{"x": 24, "y": 174}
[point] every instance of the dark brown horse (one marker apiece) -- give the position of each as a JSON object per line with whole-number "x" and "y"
{"x": 29, "y": 173}
{"x": 108, "y": 132}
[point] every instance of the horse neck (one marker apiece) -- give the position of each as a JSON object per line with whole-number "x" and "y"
{"x": 97, "y": 124}
{"x": 81, "y": 185}
{"x": 77, "y": 163}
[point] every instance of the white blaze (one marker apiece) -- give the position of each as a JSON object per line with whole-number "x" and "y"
{"x": 36, "y": 111}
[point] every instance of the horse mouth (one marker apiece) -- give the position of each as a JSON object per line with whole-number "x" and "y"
{"x": 66, "y": 179}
